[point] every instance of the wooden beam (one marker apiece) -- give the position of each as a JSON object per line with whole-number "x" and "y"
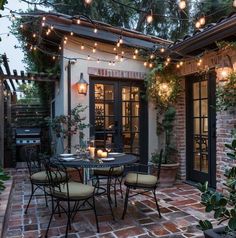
{"x": 31, "y": 78}
{"x": 1, "y": 122}
{"x": 22, "y": 74}
{"x": 6, "y": 65}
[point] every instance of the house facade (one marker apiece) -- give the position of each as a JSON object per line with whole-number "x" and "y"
{"x": 115, "y": 102}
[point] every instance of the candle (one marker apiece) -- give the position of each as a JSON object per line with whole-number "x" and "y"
{"x": 92, "y": 152}
{"x": 104, "y": 154}
{"x": 99, "y": 153}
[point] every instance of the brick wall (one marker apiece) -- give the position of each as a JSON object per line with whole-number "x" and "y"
{"x": 180, "y": 132}
{"x": 226, "y": 121}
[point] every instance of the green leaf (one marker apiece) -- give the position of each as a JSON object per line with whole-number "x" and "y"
{"x": 204, "y": 225}
{"x": 232, "y": 223}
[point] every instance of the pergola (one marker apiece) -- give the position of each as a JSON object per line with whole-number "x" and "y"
{"x": 10, "y": 82}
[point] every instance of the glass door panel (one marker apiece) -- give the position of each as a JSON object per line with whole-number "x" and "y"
{"x": 201, "y": 121}
{"x": 116, "y": 109}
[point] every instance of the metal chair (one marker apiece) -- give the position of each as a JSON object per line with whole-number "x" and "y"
{"x": 66, "y": 192}
{"x": 143, "y": 182}
{"x": 37, "y": 175}
{"x": 110, "y": 174}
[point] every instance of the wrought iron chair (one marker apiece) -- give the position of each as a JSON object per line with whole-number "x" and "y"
{"x": 113, "y": 176}
{"x": 63, "y": 193}
{"x": 37, "y": 175}
{"x": 143, "y": 182}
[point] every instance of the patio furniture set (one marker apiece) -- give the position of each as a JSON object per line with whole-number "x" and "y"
{"x": 52, "y": 176}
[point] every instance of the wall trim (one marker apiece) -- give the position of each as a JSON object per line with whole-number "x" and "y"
{"x": 113, "y": 73}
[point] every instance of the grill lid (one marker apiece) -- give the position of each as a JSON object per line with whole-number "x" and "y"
{"x": 24, "y": 132}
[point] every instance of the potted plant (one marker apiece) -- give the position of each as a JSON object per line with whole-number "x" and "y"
{"x": 222, "y": 205}
{"x": 163, "y": 89}
{"x": 169, "y": 166}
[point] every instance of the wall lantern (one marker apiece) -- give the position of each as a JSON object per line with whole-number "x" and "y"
{"x": 226, "y": 68}
{"x": 82, "y": 85}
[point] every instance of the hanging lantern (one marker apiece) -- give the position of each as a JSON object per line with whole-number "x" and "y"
{"x": 82, "y": 85}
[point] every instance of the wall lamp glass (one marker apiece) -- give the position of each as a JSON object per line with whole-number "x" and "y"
{"x": 82, "y": 85}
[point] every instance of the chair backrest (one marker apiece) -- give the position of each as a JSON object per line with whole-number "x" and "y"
{"x": 57, "y": 176}
{"x": 32, "y": 158}
{"x": 159, "y": 164}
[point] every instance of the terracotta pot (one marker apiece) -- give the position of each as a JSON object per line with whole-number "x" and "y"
{"x": 74, "y": 174}
{"x": 168, "y": 175}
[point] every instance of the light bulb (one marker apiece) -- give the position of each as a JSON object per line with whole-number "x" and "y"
{"x": 202, "y": 20}
{"x": 136, "y": 51}
{"x": 177, "y": 66}
{"x": 95, "y": 44}
{"x": 44, "y": 18}
{"x": 162, "y": 50}
{"x": 234, "y": 3}
{"x": 150, "y": 65}
{"x": 181, "y": 63}
{"x": 198, "y": 24}
{"x": 149, "y": 18}
{"x": 98, "y": 61}
{"x": 117, "y": 57}
{"x": 182, "y": 4}
{"x": 82, "y": 47}
{"x": 72, "y": 33}
{"x": 145, "y": 64}
{"x": 114, "y": 48}
{"x": 168, "y": 59}
{"x": 94, "y": 50}
{"x": 78, "y": 21}
{"x": 134, "y": 56}
{"x": 21, "y": 26}
{"x": 122, "y": 58}
{"x": 54, "y": 57}
{"x": 95, "y": 30}
{"x": 152, "y": 56}
{"x": 89, "y": 57}
{"x": 121, "y": 40}
{"x": 88, "y": 1}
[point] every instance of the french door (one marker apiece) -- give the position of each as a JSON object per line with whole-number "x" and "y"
{"x": 201, "y": 123}
{"x": 118, "y": 116}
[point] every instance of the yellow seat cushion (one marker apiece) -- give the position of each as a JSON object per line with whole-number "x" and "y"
{"x": 42, "y": 177}
{"x": 141, "y": 180}
{"x": 76, "y": 190}
{"x": 117, "y": 171}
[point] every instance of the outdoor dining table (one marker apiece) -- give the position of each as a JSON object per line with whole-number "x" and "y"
{"x": 80, "y": 161}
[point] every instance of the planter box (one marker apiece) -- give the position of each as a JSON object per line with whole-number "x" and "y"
{"x": 218, "y": 233}
{"x": 168, "y": 175}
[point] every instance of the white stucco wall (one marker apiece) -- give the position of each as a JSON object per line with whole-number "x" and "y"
{"x": 72, "y": 50}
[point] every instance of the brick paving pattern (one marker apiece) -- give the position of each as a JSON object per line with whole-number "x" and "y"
{"x": 180, "y": 210}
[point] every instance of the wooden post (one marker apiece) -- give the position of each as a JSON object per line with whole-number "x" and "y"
{"x": 1, "y": 122}
{"x": 69, "y": 103}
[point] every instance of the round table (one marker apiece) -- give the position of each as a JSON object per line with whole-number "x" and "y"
{"x": 77, "y": 163}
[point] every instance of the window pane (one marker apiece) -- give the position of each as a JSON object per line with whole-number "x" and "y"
{"x": 135, "y": 94}
{"x": 196, "y": 90}
{"x": 196, "y": 109}
{"x": 109, "y": 92}
{"x": 99, "y": 91}
{"x": 125, "y": 93}
{"x": 204, "y": 89}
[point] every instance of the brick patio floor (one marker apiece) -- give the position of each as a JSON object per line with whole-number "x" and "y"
{"x": 180, "y": 209}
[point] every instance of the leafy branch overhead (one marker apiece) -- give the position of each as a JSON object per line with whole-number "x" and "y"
{"x": 225, "y": 94}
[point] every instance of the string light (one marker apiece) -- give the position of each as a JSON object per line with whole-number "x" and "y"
{"x": 168, "y": 59}
{"x": 59, "y": 47}
{"x": 98, "y": 61}
{"x": 118, "y": 44}
{"x": 94, "y": 50}
{"x": 122, "y": 58}
{"x": 162, "y": 50}
{"x": 43, "y": 23}
{"x": 145, "y": 64}
{"x": 152, "y": 56}
{"x": 44, "y": 18}
{"x": 202, "y": 20}
{"x": 121, "y": 40}
{"x": 134, "y": 56}
{"x": 88, "y": 57}
{"x": 136, "y": 51}
{"x": 82, "y": 47}
{"x": 95, "y": 30}
{"x": 182, "y": 4}
{"x": 122, "y": 52}
{"x": 21, "y": 26}
{"x": 34, "y": 35}
{"x": 35, "y": 48}
{"x": 234, "y": 3}
{"x": 177, "y": 66}
{"x": 181, "y": 63}
{"x": 88, "y": 1}
{"x": 198, "y": 25}
{"x": 114, "y": 49}
{"x": 117, "y": 56}
{"x": 150, "y": 65}
{"x": 78, "y": 21}
{"x": 149, "y": 18}
{"x": 72, "y": 33}
{"x": 51, "y": 27}
{"x": 95, "y": 44}
{"x": 54, "y": 57}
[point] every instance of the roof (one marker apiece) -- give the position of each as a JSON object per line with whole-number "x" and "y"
{"x": 106, "y": 32}
{"x": 206, "y": 37}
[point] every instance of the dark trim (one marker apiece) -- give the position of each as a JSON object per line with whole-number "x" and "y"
{"x": 206, "y": 37}
{"x": 69, "y": 102}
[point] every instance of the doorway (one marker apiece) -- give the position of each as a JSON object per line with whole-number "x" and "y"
{"x": 118, "y": 114}
{"x": 201, "y": 128}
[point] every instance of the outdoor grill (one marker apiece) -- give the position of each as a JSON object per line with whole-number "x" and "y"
{"x": 28, "y": 136}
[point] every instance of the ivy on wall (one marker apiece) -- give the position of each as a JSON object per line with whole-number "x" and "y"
{"x": 226, "y": 93}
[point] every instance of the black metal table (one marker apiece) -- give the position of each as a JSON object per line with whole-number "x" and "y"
{"x": 85, "y": 163}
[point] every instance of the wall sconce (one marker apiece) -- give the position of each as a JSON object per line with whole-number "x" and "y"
{"x": 82, "y": 85}
{"x": 226, "y": 68}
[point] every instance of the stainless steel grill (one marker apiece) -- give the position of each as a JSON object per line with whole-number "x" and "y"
{"x": 28, "y": 136}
